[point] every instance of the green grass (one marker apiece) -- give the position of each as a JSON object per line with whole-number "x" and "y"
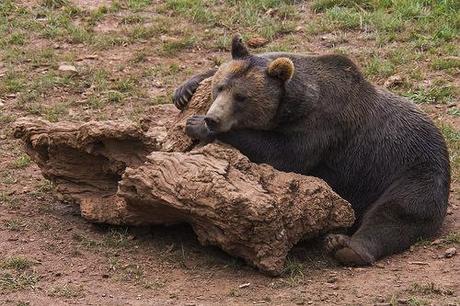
{"x": 435, "y": 94}
{"x": 194, "y": 9}
{"x": 18, "y": 281}
{"x": 15, "y": 274}
{"x": 22, "y": 161}
{"x": 67, "y": 291}
{"x": 378, "y": 67}
{"x": 428, "y": 23}
{"x": 416, "y": 301}
{"x": 173, "y": 47}
{"x": 447, "y": 63}
{"x": 15, "y": 225}
{"x": 12, "y": 82}
{"x": 429, "y": 289}
{"x": 293, "y": 272}
{"x": 115, "y": 238}
{"x": 452, "y": 137}
{"x": 16, "y": 263}
{"x": 54, "y": 4}
{"x": 453, "y": 237}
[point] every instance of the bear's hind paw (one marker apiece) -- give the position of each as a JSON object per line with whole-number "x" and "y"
{"x": 346, "y": 251}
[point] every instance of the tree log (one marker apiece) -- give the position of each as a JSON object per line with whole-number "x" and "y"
{"x": 121, "y": 172}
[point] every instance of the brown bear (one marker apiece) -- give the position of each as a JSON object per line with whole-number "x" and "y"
{"x": 317, "y": 115}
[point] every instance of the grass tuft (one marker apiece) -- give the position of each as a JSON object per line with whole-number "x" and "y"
{"x": 16, "y": 263}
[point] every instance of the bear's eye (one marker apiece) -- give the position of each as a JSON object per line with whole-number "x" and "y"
{"x": 240, "y": 97}
{"x": 220, "y": 88}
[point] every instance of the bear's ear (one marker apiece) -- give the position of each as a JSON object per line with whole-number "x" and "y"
{"x": 281, "y": 68}
{"x": 239, "y": 50}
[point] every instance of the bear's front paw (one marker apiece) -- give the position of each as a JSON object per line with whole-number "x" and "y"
{"x": 184, "y": 93}
{"x": 196, "y": 128}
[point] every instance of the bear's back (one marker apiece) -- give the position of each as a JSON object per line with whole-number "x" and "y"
{"x": 395, "y": 138}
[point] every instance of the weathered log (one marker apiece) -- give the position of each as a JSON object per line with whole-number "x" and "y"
{"x": 121, "y": 172}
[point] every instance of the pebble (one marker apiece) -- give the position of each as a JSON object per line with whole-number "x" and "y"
{"x": 244, "y": 285}
{"x": 438, "y": 241}
{"x": 450, "y": 252}
{"x": 392, "y": 81}
{"x": 256, "y": 42}
{"x": 2, "y": 137}
{"x": 332, "y": 280}
{"x": 300, "y": 301}
{"x": 67, "y": 68}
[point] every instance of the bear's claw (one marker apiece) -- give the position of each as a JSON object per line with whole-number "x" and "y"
{"x": 184, "y": 93}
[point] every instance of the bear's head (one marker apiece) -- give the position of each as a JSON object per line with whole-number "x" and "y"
{"x": 246, "y": 91}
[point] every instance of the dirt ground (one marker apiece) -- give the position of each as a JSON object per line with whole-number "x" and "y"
{"x": 129, "y": 55}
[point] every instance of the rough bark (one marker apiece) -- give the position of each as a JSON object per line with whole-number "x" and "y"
{"x": 120, "y": 172}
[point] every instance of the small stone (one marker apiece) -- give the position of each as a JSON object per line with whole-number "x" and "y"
{"x": 438, "y": 241}
{"x": 67, "y": 68}
{"x": 335, "y": 287}
{"x": 257, "y": 42}
{"x": 332, "y": 279}
{"x": 2, "y": 104}
{"x": 2, "y": 136}
{"x": 11, "y": 96}
{"x": 380, "y": 299}
{"x": 168, "y": 39}
{"x": 392, "y": 81}
{"x": 450, "y": 252}
{"x": 105, "y": 276}
{"x": 271, "y": 12}
{"x": 300, "y": 301}
{"x": 244, "y": 285}
{"x": 104, "y": 295}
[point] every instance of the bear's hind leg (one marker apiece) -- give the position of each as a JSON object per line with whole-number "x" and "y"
{"x": 393, "y": 223}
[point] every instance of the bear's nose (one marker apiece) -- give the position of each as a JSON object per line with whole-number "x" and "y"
{"x": 212, "y": 123}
